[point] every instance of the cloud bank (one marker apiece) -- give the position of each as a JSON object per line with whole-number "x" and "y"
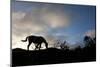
{"x": 39, "y": 21}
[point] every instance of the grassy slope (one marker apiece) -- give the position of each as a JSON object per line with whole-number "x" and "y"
{"x": 22, "y": 57}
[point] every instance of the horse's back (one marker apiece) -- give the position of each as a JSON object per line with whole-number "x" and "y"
{"x": 36, "y": 39}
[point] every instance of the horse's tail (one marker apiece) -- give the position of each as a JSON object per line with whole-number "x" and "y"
{"x": 25, "y": 39}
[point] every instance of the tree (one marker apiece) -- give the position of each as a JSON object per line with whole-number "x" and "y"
{"x": 90, "y": 42}
{"x": 64, "y": 45}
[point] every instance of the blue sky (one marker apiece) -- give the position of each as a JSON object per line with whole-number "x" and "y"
{"x": 53, "y": 21}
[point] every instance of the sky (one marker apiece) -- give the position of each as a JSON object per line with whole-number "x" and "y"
{"x": 52, "y": 21}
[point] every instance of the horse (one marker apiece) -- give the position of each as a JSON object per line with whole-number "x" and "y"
{"x": 37, "y": 40}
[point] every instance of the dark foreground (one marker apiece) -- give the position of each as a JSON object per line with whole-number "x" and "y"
{"x": 22, "y": 57}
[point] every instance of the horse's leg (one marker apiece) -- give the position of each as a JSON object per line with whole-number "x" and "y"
{"x": 39, "y": 46}
{"x": 29, "y": 45}
{"x": 46, "y": 45}
{"x": 36, "y": 46}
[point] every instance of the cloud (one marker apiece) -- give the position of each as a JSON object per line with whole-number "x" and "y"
{"x": 90, "y": 33}
{"x": 39, "y": 18}
{"x": 22, "y": 25}
{"x": 42, "y": 17}
{"x": 55, "y": 19}
{"x": 39, "y": 21}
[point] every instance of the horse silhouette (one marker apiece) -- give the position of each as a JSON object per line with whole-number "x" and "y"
{"x": 37, "y": 40}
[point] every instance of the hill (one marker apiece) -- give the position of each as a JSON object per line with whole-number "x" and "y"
{"x": 21, "y": 57}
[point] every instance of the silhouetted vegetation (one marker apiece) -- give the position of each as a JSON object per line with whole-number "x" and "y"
{"x": 64, "y": 46}
{"x": 22, "y": 57}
